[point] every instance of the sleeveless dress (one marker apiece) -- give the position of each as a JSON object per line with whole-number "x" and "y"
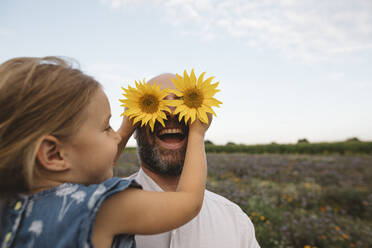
{"x": 60, "y": 217}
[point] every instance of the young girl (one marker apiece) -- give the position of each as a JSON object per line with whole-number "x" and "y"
{"x": 57, "y": 153}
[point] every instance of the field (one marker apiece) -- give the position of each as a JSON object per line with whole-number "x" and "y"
{"x": 303, "y": 201}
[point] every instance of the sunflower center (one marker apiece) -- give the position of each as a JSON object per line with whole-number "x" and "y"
{"x": 149, "y": 103}
{"x": 193, "y": 98}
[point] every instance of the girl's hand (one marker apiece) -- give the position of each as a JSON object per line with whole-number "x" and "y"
{"x": 125, "y": 131}
{"x": 127, "y": 128}
{"x": 199, "y": 127}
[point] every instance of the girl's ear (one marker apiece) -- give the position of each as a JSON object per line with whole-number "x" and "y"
{"x": 49, "y": 154}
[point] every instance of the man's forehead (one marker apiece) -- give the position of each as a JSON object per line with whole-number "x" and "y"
{"x": 164, "y": 80}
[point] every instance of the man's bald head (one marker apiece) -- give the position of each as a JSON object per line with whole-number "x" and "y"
{"x": 165, "y": 80}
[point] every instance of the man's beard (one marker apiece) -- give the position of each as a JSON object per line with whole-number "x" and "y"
{"x": 160, "y": 161}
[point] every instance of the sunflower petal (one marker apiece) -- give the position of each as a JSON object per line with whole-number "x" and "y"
{"x": 208, "y": 109}
{"x": 208, "y": 81}
{"x": 202, "y": 116}
{"x": 173, "y": 102}
{"x": 162, "y": 115}
{"x": 136, "y": 119}
{"x": 180, "y": 117}
{"x": 193, "y": 115}
{"x": 192, "y": 77}
{"x": 200, "y": 79}
{"x": 187, "y": 117}
{"x": 212, "y": 102}
{"x": 176, "y": 92}
{"x": 178, "y": 82}
{"x": 161, "y": 122}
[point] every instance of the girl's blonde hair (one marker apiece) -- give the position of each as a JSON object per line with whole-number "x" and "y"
{"x": 38, "y": 97}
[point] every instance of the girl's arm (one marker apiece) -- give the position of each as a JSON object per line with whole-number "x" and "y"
{"x": 125, "y": 131}
{"x": 144, "y": 212}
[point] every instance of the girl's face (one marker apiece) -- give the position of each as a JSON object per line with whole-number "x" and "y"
{"x": 92, "y": 150}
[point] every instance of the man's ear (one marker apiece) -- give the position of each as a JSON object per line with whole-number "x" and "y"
{"x": 49, "y": 154}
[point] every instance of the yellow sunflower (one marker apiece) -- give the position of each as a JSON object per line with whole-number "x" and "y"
{"x": 145, "y": 103}
{"x": 196, "y": 97}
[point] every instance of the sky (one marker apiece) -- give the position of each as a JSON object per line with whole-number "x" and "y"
{"x": 288, "y": 69}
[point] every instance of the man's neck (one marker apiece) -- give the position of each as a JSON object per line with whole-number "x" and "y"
{"x": 167, "y": 183}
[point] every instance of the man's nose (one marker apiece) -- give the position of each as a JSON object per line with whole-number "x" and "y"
{"x": 171, "y": 115}
{"x": 172, "y": 108}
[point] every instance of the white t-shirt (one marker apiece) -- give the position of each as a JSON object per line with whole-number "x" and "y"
{"x": 220, "y": 224}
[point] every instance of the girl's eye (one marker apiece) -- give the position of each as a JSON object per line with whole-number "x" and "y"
{"x": 108, "y": 128}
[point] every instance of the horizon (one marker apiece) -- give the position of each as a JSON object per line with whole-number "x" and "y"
{"x": 276, "y": 143}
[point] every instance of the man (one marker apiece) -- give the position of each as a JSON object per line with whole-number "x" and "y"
{"x": 220, "y": 223}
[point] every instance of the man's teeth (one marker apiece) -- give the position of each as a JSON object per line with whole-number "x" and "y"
{"x": 171, "y": 131}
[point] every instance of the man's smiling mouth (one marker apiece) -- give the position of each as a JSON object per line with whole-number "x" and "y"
{"x": 173, "y": 135}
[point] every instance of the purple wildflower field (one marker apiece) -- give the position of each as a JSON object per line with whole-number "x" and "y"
{"x": 294, "y": 200}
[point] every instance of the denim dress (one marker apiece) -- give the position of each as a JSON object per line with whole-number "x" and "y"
{"x": 60, "y": 217}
